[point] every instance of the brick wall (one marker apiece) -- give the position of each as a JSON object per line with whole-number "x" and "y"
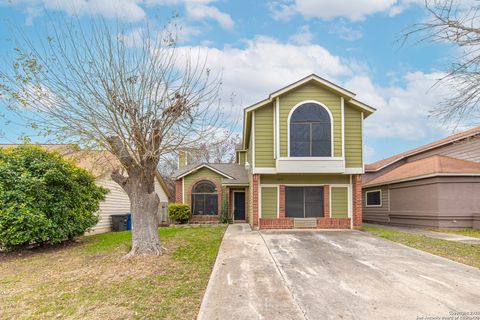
{"x": 255, "y": 188}
{"x": 326, "y": 201}
{"x": 357, "y": 201}
{"x": 333, "y": 223}
{"x": 281, "y": 206}
{"x": 178, "y": 191}
{"x": 322, "y": 223}
{"x": 283, "y": 223}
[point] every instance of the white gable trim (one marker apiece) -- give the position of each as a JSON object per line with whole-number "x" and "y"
{"x": 204, "y": 165}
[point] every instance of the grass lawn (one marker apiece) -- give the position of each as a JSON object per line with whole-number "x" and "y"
{"x": 475, "y": 233}
{"x": 461, "y": 252}
{"x": 89, "y": 280}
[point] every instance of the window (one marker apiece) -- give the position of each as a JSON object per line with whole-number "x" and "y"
{"x": 374, "y": 198}
{"x": 303, "y": 202}
{"x": 310, "y": 131}
{"x": 204, "y": 198}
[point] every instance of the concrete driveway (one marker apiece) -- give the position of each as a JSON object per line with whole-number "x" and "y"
{"x": 333, "y": 275}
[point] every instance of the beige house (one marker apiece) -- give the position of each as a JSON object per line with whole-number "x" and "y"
{"x": 101, "y": 164}
{"x": 436, "y": 185}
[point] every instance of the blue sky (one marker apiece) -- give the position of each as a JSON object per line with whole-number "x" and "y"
{"x": 260, "y": 46}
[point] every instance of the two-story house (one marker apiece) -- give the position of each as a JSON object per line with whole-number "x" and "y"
{"x": 300, "y": 164}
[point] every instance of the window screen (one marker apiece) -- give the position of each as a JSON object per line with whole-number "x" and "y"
{"x": 374, "y": 198}
{"x": 303, "y": 202}
{"x": 310, "y": 132}
{"x": 204, "y": 199}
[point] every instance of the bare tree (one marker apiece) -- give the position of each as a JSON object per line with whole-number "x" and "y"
{"x": 134, "y": 94}
{"x": 455, "y": 22}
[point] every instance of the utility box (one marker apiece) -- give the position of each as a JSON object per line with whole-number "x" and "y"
{"x": 120, "y": 222}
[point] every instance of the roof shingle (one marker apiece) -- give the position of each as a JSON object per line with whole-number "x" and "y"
{"x": 431, "y": 166}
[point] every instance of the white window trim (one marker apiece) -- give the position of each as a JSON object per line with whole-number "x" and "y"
{"x": 332, "y": 144}
{"x": 373, "y": 205}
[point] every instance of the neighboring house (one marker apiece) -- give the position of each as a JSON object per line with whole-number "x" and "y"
{"x": 101, "y": 164}
{"x": 436, "y": 185}
{"x": 300, "y": 164}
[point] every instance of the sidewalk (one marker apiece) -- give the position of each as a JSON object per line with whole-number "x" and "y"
{"x": 429, "y": 233}
{"x": 245, "y": 282}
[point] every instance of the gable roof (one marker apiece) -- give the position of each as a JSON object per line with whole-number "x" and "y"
{"x": 376, "y": 166}
{"x": 310, "y": 78}
{"x": 435, "y": 165}
{"x": 232, "y": 173}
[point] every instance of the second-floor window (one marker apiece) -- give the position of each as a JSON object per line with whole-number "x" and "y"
{"x": 310, "y": 131}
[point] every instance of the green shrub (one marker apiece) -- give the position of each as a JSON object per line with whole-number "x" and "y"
{"x": 44, "y": 198}
{"x": 179, "y": 212}
{"x": 224, "y": 218}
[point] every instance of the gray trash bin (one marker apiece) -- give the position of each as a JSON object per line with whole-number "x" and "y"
{"x": 120, "y": 222}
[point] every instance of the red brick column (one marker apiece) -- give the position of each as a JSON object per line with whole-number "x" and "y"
{"x": 326, "y": 201}
{"x": 229, "y": 202}
{"x": 178, "y": 191}
{"x": 281, "y": 206}
{"x": 357, "y": 201}
{"x": 247, "y": 198}
{"x": 256, "y": 185}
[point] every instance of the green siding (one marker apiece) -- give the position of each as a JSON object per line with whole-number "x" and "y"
{"x": 311, "y": 91}
{"x": 339, "y": 202}
{"x": 353, "y": 138}
{"x": 241, "y": 155}
{"x": 305, "y": 178}
{"x": 264, "y": 137}
{"x": 204, "y": 172}
{"x": 269, "y": 202}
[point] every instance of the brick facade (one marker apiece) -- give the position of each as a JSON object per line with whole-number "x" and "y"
{"x": 326, "y": 201}
{"x": 357, "y": 201}
{"x": 255, "y": 189}
{"x": 282, "y": 223}
{"x": 178, "y": 191}
{"x": 281, "y": 206}
{"x": 322, "y": 223}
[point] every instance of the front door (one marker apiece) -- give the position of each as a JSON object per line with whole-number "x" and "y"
{"x": 239, "y": 205}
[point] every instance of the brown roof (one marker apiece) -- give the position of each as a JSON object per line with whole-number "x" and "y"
{"x": 97, "y": 162}
{"x": 431, "y": 166}
{"x": 63, "y": 149}
{"x": 387, "y": 161}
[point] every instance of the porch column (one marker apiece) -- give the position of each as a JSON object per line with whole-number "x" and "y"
{"x": 326, "y": 201}
{"x": 255, "y": 189}
{"x": 281, "y": 206}
{"x": 357, "y": 201}
{"x": 178, "y": 191}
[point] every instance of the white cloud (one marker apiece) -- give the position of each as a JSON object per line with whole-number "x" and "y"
{"x": 356, "y": 10}
{"x": 303, "y": 36}
{"x": 344, "y": 31}
{"x": 196, "y": 11}
{"x": 265, "y": 64}
{"x": 127, "y": 10}
{"x": 402, "y": 110}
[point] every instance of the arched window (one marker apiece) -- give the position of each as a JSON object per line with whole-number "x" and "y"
{"x": 310, "y": 131}
{"x": 204, "y": 198}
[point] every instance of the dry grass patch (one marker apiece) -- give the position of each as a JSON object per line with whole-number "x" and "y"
{"x": 89, "y": 280}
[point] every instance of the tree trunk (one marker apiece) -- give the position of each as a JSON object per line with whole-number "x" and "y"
{"x": 144, "y": 204}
